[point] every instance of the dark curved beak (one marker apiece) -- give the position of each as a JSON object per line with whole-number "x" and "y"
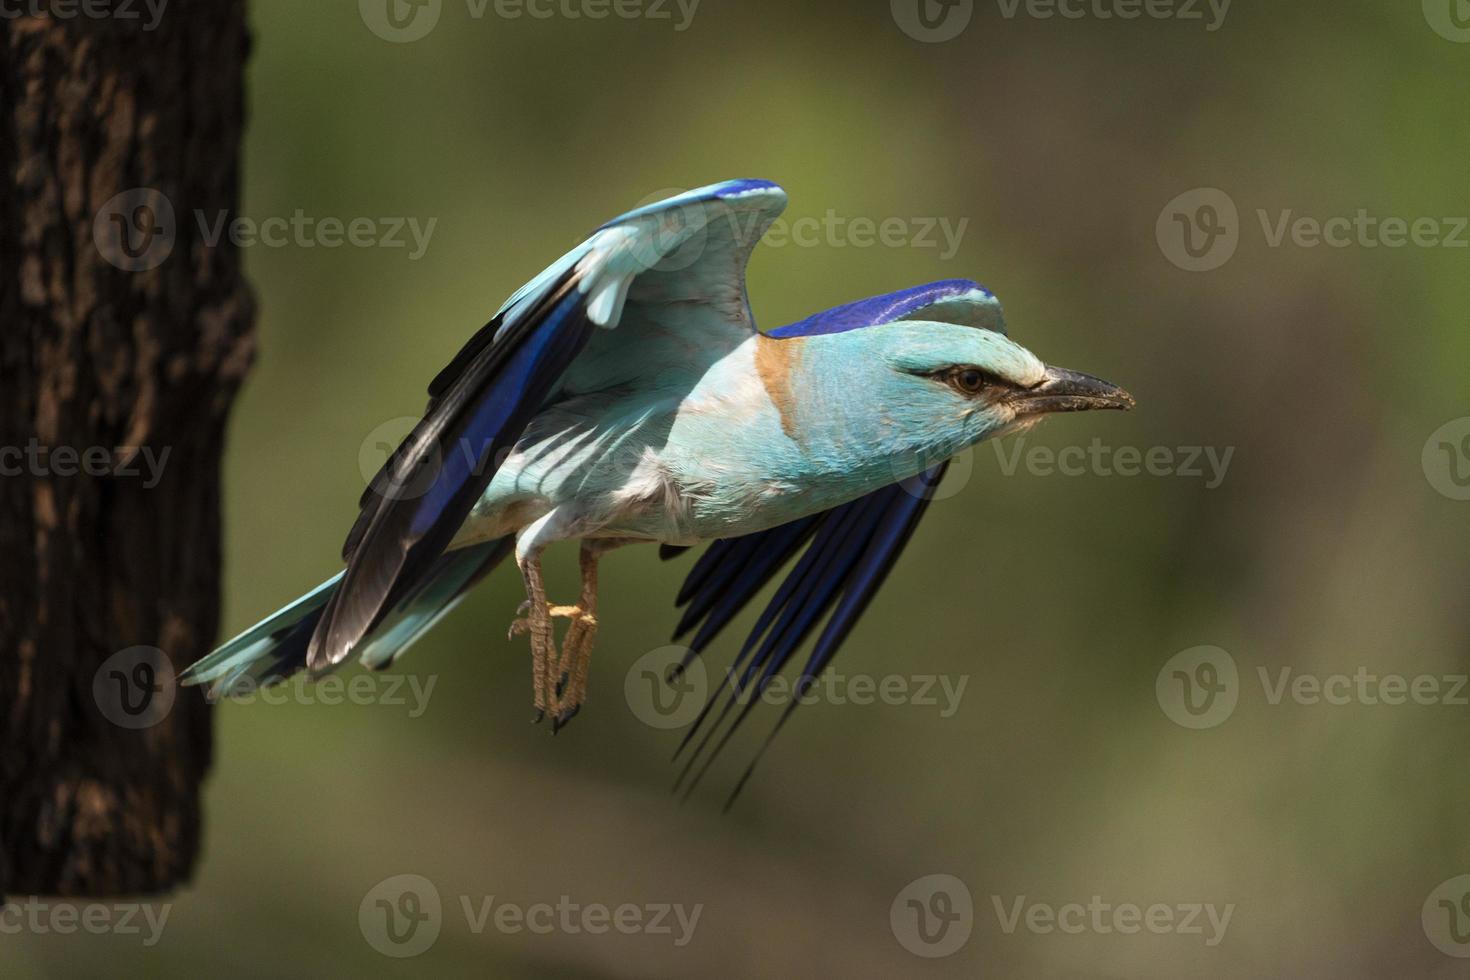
{"x": 1070, "y": 391}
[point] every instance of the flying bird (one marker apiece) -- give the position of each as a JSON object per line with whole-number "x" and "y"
{"x": 625, "y": 395}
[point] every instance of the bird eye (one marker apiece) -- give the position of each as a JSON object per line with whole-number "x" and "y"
{"x": 969, "y": 381}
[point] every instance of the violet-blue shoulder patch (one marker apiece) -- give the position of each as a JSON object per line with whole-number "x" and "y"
{"x": 889, "y": 307}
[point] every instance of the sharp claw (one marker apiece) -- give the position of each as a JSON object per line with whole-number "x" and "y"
{"x": 562, "y": 720}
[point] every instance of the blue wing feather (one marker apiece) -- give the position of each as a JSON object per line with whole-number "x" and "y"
{"x": 851, "y": 550}
{"x": 458, "y": 445}
{"x": 951, "y": 300}
{"x": 481, "y": 402}
{"x": 852, "y": 547}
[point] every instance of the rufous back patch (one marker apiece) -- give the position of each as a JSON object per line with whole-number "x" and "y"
{"x": 776, "y": 361}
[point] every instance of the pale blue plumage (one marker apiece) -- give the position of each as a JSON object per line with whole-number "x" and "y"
{"x": 624, "y": 395}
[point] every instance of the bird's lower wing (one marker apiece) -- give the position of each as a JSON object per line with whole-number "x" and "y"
{"x": 848, "y": 553}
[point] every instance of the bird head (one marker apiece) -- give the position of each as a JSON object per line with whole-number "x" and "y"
{"x": 928, "y": 389}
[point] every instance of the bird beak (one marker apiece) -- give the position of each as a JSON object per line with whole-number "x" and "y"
{"x": 1070, "y": 391}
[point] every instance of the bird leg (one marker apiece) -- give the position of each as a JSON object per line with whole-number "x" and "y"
{"x": 537, "y": 622}
{"x": 576, "y": 648}
{"x": 559, "y": 679}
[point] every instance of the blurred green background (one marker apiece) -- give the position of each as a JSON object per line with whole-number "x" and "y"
{"x": 1325, "y": 549}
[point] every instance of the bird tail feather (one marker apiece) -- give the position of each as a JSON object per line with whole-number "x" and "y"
{"x": 275, "y": 648}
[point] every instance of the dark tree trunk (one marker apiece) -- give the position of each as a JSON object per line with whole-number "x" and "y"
{"x": 123, "y": 337}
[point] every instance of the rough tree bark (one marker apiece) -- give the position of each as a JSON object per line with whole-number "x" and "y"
{"x": 123, "y": 338}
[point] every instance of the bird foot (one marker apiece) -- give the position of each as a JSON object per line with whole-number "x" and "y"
{"x": 522, "y": 624}
{"x": 564, "y": 717}
{"x": 561, "y": 700}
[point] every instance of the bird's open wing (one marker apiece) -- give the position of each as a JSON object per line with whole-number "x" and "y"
{"x": 659, "y": 287}
{"x": 849, "y": 550}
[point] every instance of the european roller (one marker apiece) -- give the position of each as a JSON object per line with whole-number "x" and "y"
{"x": 625, "y": 396}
